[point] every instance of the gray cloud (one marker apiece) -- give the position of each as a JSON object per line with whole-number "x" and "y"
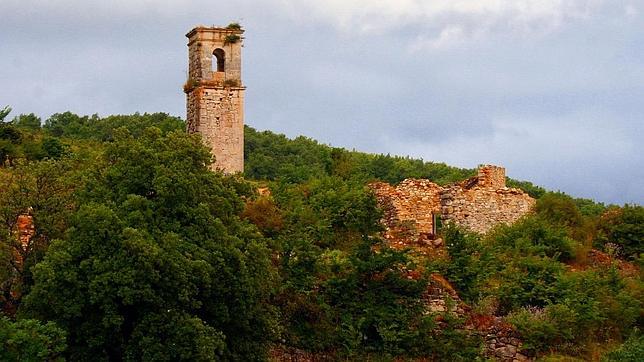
{"x": 550, "y": 89}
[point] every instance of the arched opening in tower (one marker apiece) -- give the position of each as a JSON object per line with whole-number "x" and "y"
{"x": 218, "y": 60}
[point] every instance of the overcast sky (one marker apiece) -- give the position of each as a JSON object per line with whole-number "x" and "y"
{"x": 551, "y": 89}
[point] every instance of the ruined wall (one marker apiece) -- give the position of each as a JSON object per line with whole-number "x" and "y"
{"x": 408, "y": 208}
{"x": 481, "y": 209}
{"x": 483, "y": 202}
{"x": 478, "y": 204}
{"x": 501, "y": 341}
{"x": 490, "y": 176}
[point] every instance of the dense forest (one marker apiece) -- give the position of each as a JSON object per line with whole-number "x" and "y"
{"x": 139, "y": 252}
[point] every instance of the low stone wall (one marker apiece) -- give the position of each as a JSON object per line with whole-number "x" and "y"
{"x": 501, "y": 341}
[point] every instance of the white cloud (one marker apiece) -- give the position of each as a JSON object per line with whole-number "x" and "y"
{"x": 442, "y": 23}
{"x": 631, "y": 11}
{"x": 338, "y": 71}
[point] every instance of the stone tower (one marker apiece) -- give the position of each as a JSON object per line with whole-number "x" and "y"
{"x": 215, "y": 94}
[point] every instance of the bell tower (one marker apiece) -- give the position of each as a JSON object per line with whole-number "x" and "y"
{"x": 215, "y": 94}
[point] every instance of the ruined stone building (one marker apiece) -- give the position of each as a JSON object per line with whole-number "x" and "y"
{"x": 215, "y": 94}
{"x": 413, "y": 208}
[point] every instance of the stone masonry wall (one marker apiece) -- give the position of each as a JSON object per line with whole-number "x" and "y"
{"x": 490, "y": 176}
{"x": 409, "y": 207}
{"x": 482, "y": 202}
{"x": 202, "y": 41}
{"x": 501, "y": 342}
{"x": 481, "y": 209}
{"x": 478, "y": 204}
{"x": 215, "y": 95}
{"x": 218, "y": 115}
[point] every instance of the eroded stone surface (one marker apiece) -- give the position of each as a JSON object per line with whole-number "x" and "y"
{"x": 411, "y": 208}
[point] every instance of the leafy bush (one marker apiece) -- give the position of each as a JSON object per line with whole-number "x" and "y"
{"x": 527, "y": 282}
{"x": 30, "y": 340}
{"x": 375, "y": 308}
{"x": 234, "y": 26}
{"x": 559, "y": 208}
{"x": 534, "y": 236}
{"x": 332, "y": 212}
{"x": 623, "y": 227}
{"x": 543, "y": 329}
{"x": 469, "y": 263}
{"x": 231, "y": 39}
{"x": 631, "y": 351}
{"x": 589, "y": 307}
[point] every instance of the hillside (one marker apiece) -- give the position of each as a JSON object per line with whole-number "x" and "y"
{"x": 118, "y": 243}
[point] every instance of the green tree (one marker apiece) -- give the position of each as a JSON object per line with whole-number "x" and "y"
{"x": 631, "y": 351}
{"x": 4, "y": 113}
{"x": 44, "y": 191}
{"x": 376, "y": 307}
{"x": 469, "y": 263}
{"x": 559, "y": 208}
{"x": 157, "y": 248}
{"x": 624, "y": 227}
{"x": 53, "y": 148}
{"x": 31, "y": 341}
{"x": 27, "y": 121}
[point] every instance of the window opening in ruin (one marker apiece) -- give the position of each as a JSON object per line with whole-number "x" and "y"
{"x": 436, "y": 223}
{"x": 218, "y": 60}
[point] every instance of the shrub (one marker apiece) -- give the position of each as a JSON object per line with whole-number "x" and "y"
{"x": 30, "y": 340}
{"x": 231, "y": 39}
{"x": 265, "y": 215}
{"x": 528, "y": 282}
{"x": 535, "y": 236}
{"x": 559, "y": 208}
{"x": 624, "y": 227}
{"x": 631, "y": 351}
{"x": 469, "y": 262}
{"x": 536, "y": 328}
